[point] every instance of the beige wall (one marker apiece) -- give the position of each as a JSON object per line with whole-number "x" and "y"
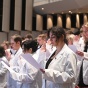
{"x": 85, "y": 18}
{"x": 18, "y": 14}
{"x": 28, "y": 15}
{"x": 77, "y": 21}
{"x": 39, "y": 22}
{"x": 59, "y": 20}
{"x": 6, "y": 15}
{"x": 49, "y": 21}
{"x": 3, "y": 37}
{"x": 68, "y": 21}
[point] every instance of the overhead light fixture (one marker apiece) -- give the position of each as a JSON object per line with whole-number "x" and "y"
{"x": 42, "y": 8}
{"x": 53, "y": 13}
{"x": 70, "y": 11}
{"x": 62, "y": 12}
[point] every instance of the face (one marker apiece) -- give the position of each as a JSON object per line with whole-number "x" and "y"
{"x": 53, "y": 39}
{"x": 4, "y": 45}
{"x": 40, "y": 40}
{"x": 85, "y": 33}
{"x": 76, "y": 37}
{"x": 13, "y": 44}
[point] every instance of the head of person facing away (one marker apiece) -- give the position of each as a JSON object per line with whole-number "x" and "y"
{"x": 57, "y": 36}
{"x": 15, "y": 42}
{"x": 28, "y": 37}
{"x": 2, "y": 51}
{"x": 29, "y": 46}
{"x": 76, "y": 33}
{"x": 84, "y": 31}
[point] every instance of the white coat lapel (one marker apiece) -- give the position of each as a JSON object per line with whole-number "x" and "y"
{"x": 18, "y": 52}
{"x": 58, "y": 56}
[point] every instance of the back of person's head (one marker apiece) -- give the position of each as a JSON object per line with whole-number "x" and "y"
{"x": 17, "y": 38}
{"x": 70, "y": 39}
{"x": 59, "y": 32}
{"x": 29, "y": 37}
{"x": 30, "y": 44}
{"x": 68, "y": 32}
{"x": 76, "y": 31}
{"x": 2, "y": 51}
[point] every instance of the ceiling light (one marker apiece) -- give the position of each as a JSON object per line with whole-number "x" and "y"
{"x": 62, "y": 12}
{"x": 79, "y": 12}
{"x": 70, "y": 12}
{"x": 53, "y": 13}
{"x": 42, "y": 8}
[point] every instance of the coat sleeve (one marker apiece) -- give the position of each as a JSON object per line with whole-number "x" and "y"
{"x": 3, "y": 70}
{"x": 86, "y": 55}
{"x": 67, "y": 76}
{"x": 27, "y": 77}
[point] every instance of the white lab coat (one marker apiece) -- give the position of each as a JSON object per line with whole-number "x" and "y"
{"x": 42, "y": 56}
{"x": 14, "y": 58}
{"x": 3, "y": 73}
{"x": 13, "y": 64}
{"x": 27, "y": 75}
{"x": 85, "y": 66}
{"x": 85, "y": 62}
{"x": 61, "y": 72}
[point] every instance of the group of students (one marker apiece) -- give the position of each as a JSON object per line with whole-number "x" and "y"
{"x": 60, "y": 66}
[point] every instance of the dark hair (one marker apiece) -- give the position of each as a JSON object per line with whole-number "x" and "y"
{"x": 17, "y": 38}
{"x": 76, "y": 31}
{"x": 58, "y": 32}
{"x": 29, "y": 36}
{"x": 2, "y": 51}
{"x": 30, "y": 44}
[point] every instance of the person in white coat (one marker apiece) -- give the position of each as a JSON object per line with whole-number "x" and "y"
{"x": 3, "y": 70}
{"x": 15, "y": 42}
{"x": 27, "y": 75}
{"x": 83, "y": 73}
{"x": 60, "y": 69}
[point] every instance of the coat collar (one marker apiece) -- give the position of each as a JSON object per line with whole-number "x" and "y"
{"x": 59, "y": 55}
{"x": 61, "y": 52}
{"x": 19, "y": 51}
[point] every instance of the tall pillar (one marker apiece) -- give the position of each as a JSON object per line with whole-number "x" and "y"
{"x": 6, "y": 15}
{"x": 39, "y": 22}
{"x": 85, "y": 18}
{"x": 77, "y": 21}
{"x": 49, "y": 21}
{"x": 28, "y": 15}
{"x": 18, "y": 14}
{"x": 59, "y": 20}
{"x": 68, "y": 21}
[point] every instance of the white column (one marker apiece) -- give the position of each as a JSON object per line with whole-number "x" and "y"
{"x": 39, "y": 22}
{"x": 49, "y": 21}
{"x": 28, "y": 15}
{"x": 85, "y": 18}
{"x": 68, "y": 21}
{"x": 59, "y": 20}
{"x": 6, "y": 15}
{"x": 18, "y": 15}
{"x": 77, "y": 21}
